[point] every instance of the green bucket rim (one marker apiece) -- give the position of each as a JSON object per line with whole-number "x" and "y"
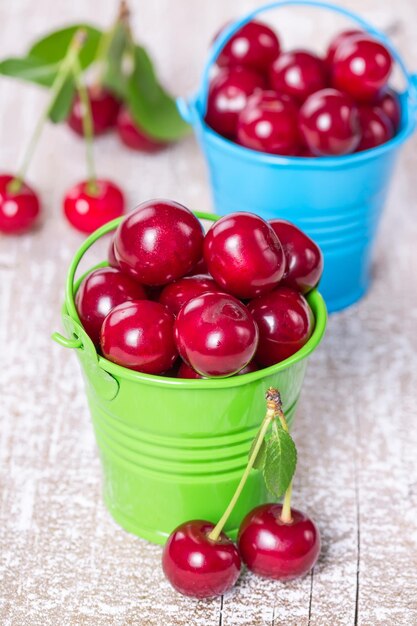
{"x": 314, "y": 299}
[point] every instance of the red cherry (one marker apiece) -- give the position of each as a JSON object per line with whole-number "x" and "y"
{"x": 176, "y": 294}
{"x": 99, "y": 293}
{"x": 197, "y": 566}
{"x": 337, "y": 41}
{"x": 18, "y": 211}
{"x": 139, "y": 335}
{"x": 133, "y": 136}
{"x": 329, "y": 123}
{"x": 159, "y": 242}
{"x": 388, "y": 101}
{"x": 185, "y": 371}
{"x": 376, "y": 128}
{"x": 275, "y": 549}
{"x": 104, "y": 110}
{"x": 228, "y": 94}
{"x": 285, "y": 323}
{"x": 303, "y": 257}
{"x": 305, "y": 152}
{"x": 254, "y": 46}
{"x": 248, "y": 369}
{"x": 215, "y": 334}
{"x": 244, "y": 255}
{"x": 87, "y": 210}
{"x": 361, "y": 67}
{"x": 298, "y": 74}
{"x": 268, "y": 123}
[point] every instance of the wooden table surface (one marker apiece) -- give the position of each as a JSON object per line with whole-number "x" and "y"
{"x": 62, "y": 558}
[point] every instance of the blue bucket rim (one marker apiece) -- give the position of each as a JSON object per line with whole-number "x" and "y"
{"x": 193, "y": 111}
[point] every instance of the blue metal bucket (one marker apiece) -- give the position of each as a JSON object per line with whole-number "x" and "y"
{"x": 338, "y": 201}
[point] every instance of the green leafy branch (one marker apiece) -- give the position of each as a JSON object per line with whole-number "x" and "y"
{"x": 118, "y": 64}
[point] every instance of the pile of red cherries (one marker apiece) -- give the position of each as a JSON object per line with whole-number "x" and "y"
{"x": 228, "y": 302}
{"x": 298, "y": 104}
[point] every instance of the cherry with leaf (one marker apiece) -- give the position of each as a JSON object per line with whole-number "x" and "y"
{"x": 19, "y": 204}
{"x": 124, "y": 91}
{"x": 275, "y": 541}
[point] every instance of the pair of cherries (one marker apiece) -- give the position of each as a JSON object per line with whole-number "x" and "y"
{"x": 296, "y": 103}
{"x": 88, "y": 211}
{"x": 246, "y": 311}
{"x": 87, "y": 205}
{"x": 198, "y": 566}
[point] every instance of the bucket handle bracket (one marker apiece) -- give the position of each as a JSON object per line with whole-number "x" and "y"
{"x": 104, "y": 383}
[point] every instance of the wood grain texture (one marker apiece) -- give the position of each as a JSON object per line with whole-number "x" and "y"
{"x": 62, "y": 558}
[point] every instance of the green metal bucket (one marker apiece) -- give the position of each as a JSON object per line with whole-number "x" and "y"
{"x": 174, "y": 449}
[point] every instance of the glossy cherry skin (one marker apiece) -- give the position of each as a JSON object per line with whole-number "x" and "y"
{"x": 254, "y": 46}
{"x": 99, "y": 293}
{"x": 298, "y": 74}
{"x": 361, "y": 67}
{"x": 176, "y": 294}
{"x": 197, "y": 566}
{"x": 329, "y": 123}
{"x": 139, "y": 335}
{"x": 215, "y": 334}
{"x": 268, "y": 123}
{"x": 159, "y": 242}
{"x": 303, "y": 257}
{"x": 388, "y": 101}
{"x": 134, "y": 137}
{"x": 185, "y": 371}
{"x": 376, "y": 128}
{"x": 285, "y": 322}
{"x": 104, "y": 110}
{"x": 87, "y": 211}
{"x": 228, "y": 94}
{"x": 337, "y": 41}
{"x": 18, "y": 211}
{"x": 274, "y": 549}
{"x": 244, "y": 255}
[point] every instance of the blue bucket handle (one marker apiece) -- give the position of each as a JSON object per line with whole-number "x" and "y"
{"x": 188, "y": 110}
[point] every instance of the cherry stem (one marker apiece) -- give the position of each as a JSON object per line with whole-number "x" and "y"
{"x": 106, "y": 41}
{"x": 286, "y": 516}
{"x": 88, "y": 128}
{"x": 73, "y": 51}
{"x": 273, "y": 404}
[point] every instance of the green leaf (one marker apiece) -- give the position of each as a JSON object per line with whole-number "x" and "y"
{"x": 30, "y": 69}
{"x": 54, "y": 46}
{"x": 280, "y": 462}
{"x": 152, "y": 108}
{"x": 260, "y": 457}
{"x": 62, "y": 105}
{"x": 114, "y": 77}
{"x": 42, "y": 62}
